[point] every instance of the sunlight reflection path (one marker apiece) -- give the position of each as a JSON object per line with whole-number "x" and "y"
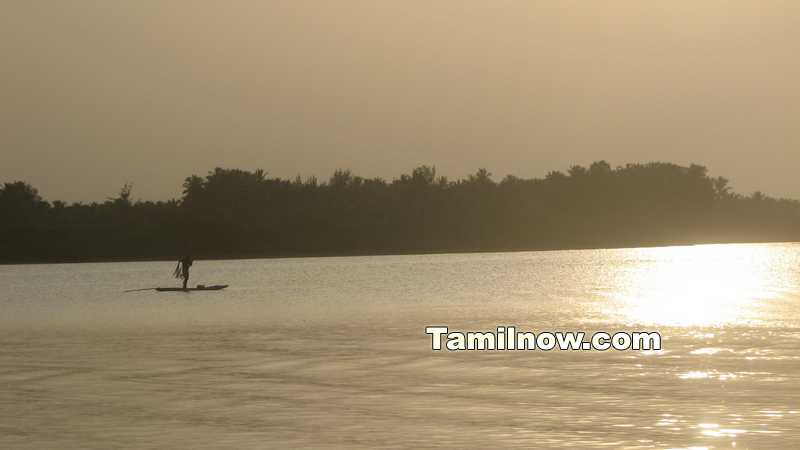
{"x": 701, "y": 285}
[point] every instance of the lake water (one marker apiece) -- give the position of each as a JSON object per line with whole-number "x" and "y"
{"x": 324, "y": 353}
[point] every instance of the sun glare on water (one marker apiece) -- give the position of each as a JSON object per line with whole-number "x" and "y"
{"x": 697, "y": 285}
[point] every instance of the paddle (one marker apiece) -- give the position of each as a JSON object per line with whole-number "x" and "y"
{"x": 137, "y": 290}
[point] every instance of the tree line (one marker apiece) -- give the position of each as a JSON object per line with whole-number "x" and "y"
{"x": 239, "y": 213}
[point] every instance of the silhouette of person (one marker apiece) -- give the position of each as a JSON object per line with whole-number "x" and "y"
{"x": 182, "y": 271}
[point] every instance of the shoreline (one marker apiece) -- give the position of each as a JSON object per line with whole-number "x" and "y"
{"x": 123, "y": 259}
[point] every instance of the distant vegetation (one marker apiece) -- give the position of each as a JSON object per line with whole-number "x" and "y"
{"x": 232, "y": 213}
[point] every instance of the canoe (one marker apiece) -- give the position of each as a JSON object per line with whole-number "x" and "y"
{"x": 215, "y": 287}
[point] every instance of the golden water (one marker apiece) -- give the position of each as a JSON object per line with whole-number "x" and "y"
{"x": 323, "y": 353}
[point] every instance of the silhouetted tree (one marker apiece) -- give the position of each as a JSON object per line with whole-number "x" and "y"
{"x": 232, "y": 212}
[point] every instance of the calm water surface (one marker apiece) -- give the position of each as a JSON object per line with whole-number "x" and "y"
{"x": 323, "y": 353}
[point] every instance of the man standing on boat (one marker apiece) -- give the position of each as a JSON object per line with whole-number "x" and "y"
{"x": 182, "y": 269}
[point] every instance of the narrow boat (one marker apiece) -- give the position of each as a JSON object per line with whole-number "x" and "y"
{"x": 199, "y": 287}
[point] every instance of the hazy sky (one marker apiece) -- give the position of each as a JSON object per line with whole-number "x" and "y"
{"x": 97, "y": 93}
